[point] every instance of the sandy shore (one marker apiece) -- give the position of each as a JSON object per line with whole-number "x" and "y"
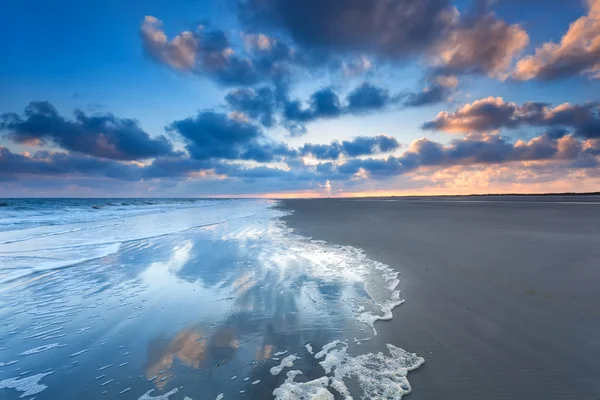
{"x": 502, "y": 296}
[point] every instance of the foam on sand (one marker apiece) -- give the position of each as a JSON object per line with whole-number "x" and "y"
{"x": 370, "y": 286}
{"x": 313, "y": 390}
{"x": 379, "y": 376}
{"x": 29, "y": 386}
{"x": 309, "y": 348}
{"x": 287, "y": 362}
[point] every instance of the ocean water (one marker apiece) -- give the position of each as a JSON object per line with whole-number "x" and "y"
{"x": 188, "y": 299}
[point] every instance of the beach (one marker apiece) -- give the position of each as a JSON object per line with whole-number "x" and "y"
{"x": 180, "y": 299}
{"x": 501, "y": 292}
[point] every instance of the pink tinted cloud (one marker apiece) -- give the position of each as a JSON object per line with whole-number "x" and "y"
{"x": 577, "y": 53}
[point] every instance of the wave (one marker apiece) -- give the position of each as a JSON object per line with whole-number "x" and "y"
{"x": 31, "y": 251}
{"x": 20, "y": 214}
{"x": 52, "y": 264}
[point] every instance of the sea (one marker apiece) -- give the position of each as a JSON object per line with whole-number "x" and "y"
{"x": 188, "y": 299}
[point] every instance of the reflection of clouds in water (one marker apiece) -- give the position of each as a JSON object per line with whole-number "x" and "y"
{"x": 180, "y": 255}
{"x": 244, "y": 290}
{"x": 190, "y": 348}
{"x": 264, "y": 353}
{"x": 244, "y": 283}
{"x": 280, "y": 290}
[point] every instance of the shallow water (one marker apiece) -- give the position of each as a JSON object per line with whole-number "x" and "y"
{"x": 192, "y": 302}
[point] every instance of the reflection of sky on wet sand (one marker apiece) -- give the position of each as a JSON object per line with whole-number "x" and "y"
{"x": 189, "y": 310}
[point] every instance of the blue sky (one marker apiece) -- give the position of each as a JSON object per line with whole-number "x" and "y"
{"x": 370, "y": 74}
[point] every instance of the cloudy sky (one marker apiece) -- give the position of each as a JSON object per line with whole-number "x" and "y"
{"x": 298, "y": 98}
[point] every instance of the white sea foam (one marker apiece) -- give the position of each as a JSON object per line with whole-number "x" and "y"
{"x": 294, "y": 255}
{"x": 166, "y": 396}
{"x": 287, "y": 362}
{"x": 312, "y": 390}
{"x": 78, "y": 353}
{"x": 326, "y": 348}
{"x": 220, "y": 396}
{"x": 379, "y": 376}
{"x": 29, "y": 386}
{"x": 280, "y": 353}
{"x": 40, "y": 349}
{"x": 309, "y": 348}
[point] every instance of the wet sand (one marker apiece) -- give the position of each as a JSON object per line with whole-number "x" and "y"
{"x": 502, "y": 295}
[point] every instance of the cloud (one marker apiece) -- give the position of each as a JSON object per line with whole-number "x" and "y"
{"x": 359, "y": 146}
{"x": 365, "y": 98}
{"x": 212, "y": 135}
{"x": 490, "y": 149}
{"x": 433, "y": 94}
{"x": 258, "y": 104}
{"x": 546, "y": 154}
{"x": 210, "y": 53}
{"x": 480, "y": 44}
{"x": 324, "y": 103}
{"x": 58, "y": 164}
{"x": 179, "y": 53}
{"x": 577, "y": 53}
{"x": 357, "y": 66}
{"x": 477, "y": 42}
{"x": 391, "y": 29}
{"x": 494, "y": 113}
{"x": 100, "y": 135}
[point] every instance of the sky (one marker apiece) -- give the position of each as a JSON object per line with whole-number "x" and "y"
{"x": 289, "y": 98}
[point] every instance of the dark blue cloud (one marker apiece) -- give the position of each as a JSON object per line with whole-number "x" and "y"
{"x": 212, "y": 135}
{"x": 58, "y": 164}
{"x": 266, "y": 105}
{"x": 101, "y": 135}
{"x": 475, "y": 41}
{"x": 391, "y": 29}
{"x": 367, "y": 97}
{"x": 433, "y": 94}
{"x": 324, "y": 103}
{"x": 359, "y": 146}
{"x": 258, "y": 104}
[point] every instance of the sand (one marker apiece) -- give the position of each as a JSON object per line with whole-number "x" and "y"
{"x": 502, "y": 294}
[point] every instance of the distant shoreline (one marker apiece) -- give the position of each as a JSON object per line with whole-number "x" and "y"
{"x": 565, "y": 194}
{"x": 482, "y": 195}
{"x": 419, "y": 196}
